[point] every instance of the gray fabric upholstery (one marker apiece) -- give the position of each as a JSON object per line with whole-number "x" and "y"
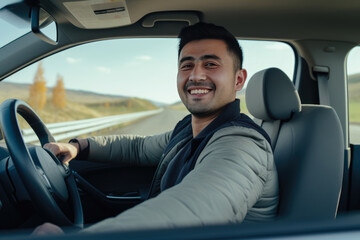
{"x": 308, "y": 153}
{"x": 270, "y": 95}
{"x": 309, "y": 156}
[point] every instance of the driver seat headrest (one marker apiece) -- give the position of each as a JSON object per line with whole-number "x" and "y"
{"x": 270, "y": 95}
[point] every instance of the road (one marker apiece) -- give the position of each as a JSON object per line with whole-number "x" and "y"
{"x": 159, "y": 123}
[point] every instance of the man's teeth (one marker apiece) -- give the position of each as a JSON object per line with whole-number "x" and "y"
{"x": 199, "y": 91}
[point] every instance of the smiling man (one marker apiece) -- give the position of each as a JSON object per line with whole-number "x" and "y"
{"x": 208, "y": 79}
{"x": 215, "y": 167}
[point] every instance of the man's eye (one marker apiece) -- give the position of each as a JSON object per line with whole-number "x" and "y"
{"x": 185, "y": 66}
{"x": 210, "y": 64}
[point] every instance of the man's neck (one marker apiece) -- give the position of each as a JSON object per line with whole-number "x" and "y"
{"x": 198, "y": 124}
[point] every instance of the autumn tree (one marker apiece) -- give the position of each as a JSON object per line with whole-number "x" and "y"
{"x": 37, "y": 98}
{"x": 58, "y": 93}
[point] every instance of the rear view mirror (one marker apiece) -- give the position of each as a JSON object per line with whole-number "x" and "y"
{"x": 43, "y": 25}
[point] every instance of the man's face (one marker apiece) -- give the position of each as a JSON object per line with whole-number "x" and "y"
{"x": 206, "y": 79}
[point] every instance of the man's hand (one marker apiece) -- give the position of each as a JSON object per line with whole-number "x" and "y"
{"x": 47, "y": 229}
{"x": 64, "y": 151}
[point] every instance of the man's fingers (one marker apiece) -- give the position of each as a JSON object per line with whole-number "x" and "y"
{"x": 46, "y": 229}
{"x": 59, "y": 152}
{"x": 65, "y": 152}
{"x": 65, "y": 159}
{"x": 54, "y": 148}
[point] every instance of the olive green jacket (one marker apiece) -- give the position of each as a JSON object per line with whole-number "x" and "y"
{"x": 234, "y": 180}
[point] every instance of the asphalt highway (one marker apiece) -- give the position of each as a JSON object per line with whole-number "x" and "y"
{"x": 155, "y": 124}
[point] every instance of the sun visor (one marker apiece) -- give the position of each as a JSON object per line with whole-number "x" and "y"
{"x": 94, "y": 14}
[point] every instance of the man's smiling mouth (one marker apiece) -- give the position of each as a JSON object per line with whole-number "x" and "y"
{"x": 199, "y": 88}
{"x": 198, "y": 91}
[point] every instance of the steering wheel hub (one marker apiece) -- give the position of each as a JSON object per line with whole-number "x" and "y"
{"x": 51, "y": 171}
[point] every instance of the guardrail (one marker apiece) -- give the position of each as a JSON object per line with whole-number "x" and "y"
{"x": 70, "y": 129}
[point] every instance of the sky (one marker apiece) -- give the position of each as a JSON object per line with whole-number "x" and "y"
{"x": 144, "y": 68}
{"x": 353, "y": 61}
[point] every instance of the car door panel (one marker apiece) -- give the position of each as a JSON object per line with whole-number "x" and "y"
{"x": 108, "y": 189}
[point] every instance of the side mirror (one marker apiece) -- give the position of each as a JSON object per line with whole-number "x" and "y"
{"x": 43, "y": 25}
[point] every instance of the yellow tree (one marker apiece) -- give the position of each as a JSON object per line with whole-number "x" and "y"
{"x": 58, "y": 93}
{"x": 37, "y": 98}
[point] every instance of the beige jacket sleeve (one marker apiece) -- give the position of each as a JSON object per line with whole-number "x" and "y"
{"x": 230, "y": 177}
{"x": 128, "y": 149}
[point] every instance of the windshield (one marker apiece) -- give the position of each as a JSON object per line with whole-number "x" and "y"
{"x": 117, "y": 77}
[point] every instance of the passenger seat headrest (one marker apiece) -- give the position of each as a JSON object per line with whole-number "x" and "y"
{"x": 270, "y": 95}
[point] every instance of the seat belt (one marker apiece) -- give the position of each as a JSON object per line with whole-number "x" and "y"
{"x": 322, "y": 76}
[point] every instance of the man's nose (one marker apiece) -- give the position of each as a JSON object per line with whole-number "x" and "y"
{"x": 197, "y": 73}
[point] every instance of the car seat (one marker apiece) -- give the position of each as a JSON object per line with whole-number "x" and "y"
{"x": 307, "y": 142}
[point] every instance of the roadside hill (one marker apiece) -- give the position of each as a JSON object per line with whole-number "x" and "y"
{"x": 79, "y": 104}
{"x": 21, "y": 91}
{"x": 354, "y": 87}
{"x": 354, "y": 78}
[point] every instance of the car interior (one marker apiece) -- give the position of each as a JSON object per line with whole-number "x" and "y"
{"x": 307, "y": 115}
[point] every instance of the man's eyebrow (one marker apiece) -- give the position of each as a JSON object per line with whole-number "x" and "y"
{"x": 186, "y": 59}
{"x": 207, "y": 56}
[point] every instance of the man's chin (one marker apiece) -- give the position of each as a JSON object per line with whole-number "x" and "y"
{"x": 202, "y": 113}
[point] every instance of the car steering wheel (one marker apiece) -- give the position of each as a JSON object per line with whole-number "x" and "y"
{"x": 49, "y": 183}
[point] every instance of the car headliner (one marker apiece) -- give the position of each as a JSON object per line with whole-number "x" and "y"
{"x": 272, "y": 19}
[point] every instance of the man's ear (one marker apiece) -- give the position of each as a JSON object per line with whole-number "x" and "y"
{"x": 240, "y": 79}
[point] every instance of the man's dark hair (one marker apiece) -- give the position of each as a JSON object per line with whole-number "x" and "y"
{"x": 203, "y": 30}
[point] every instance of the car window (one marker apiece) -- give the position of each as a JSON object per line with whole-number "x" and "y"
{"x": 119, "y": 86}
{"x": 353, "y": 71}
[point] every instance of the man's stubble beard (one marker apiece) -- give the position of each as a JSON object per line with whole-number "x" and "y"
{"x": 203, "y": 112}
